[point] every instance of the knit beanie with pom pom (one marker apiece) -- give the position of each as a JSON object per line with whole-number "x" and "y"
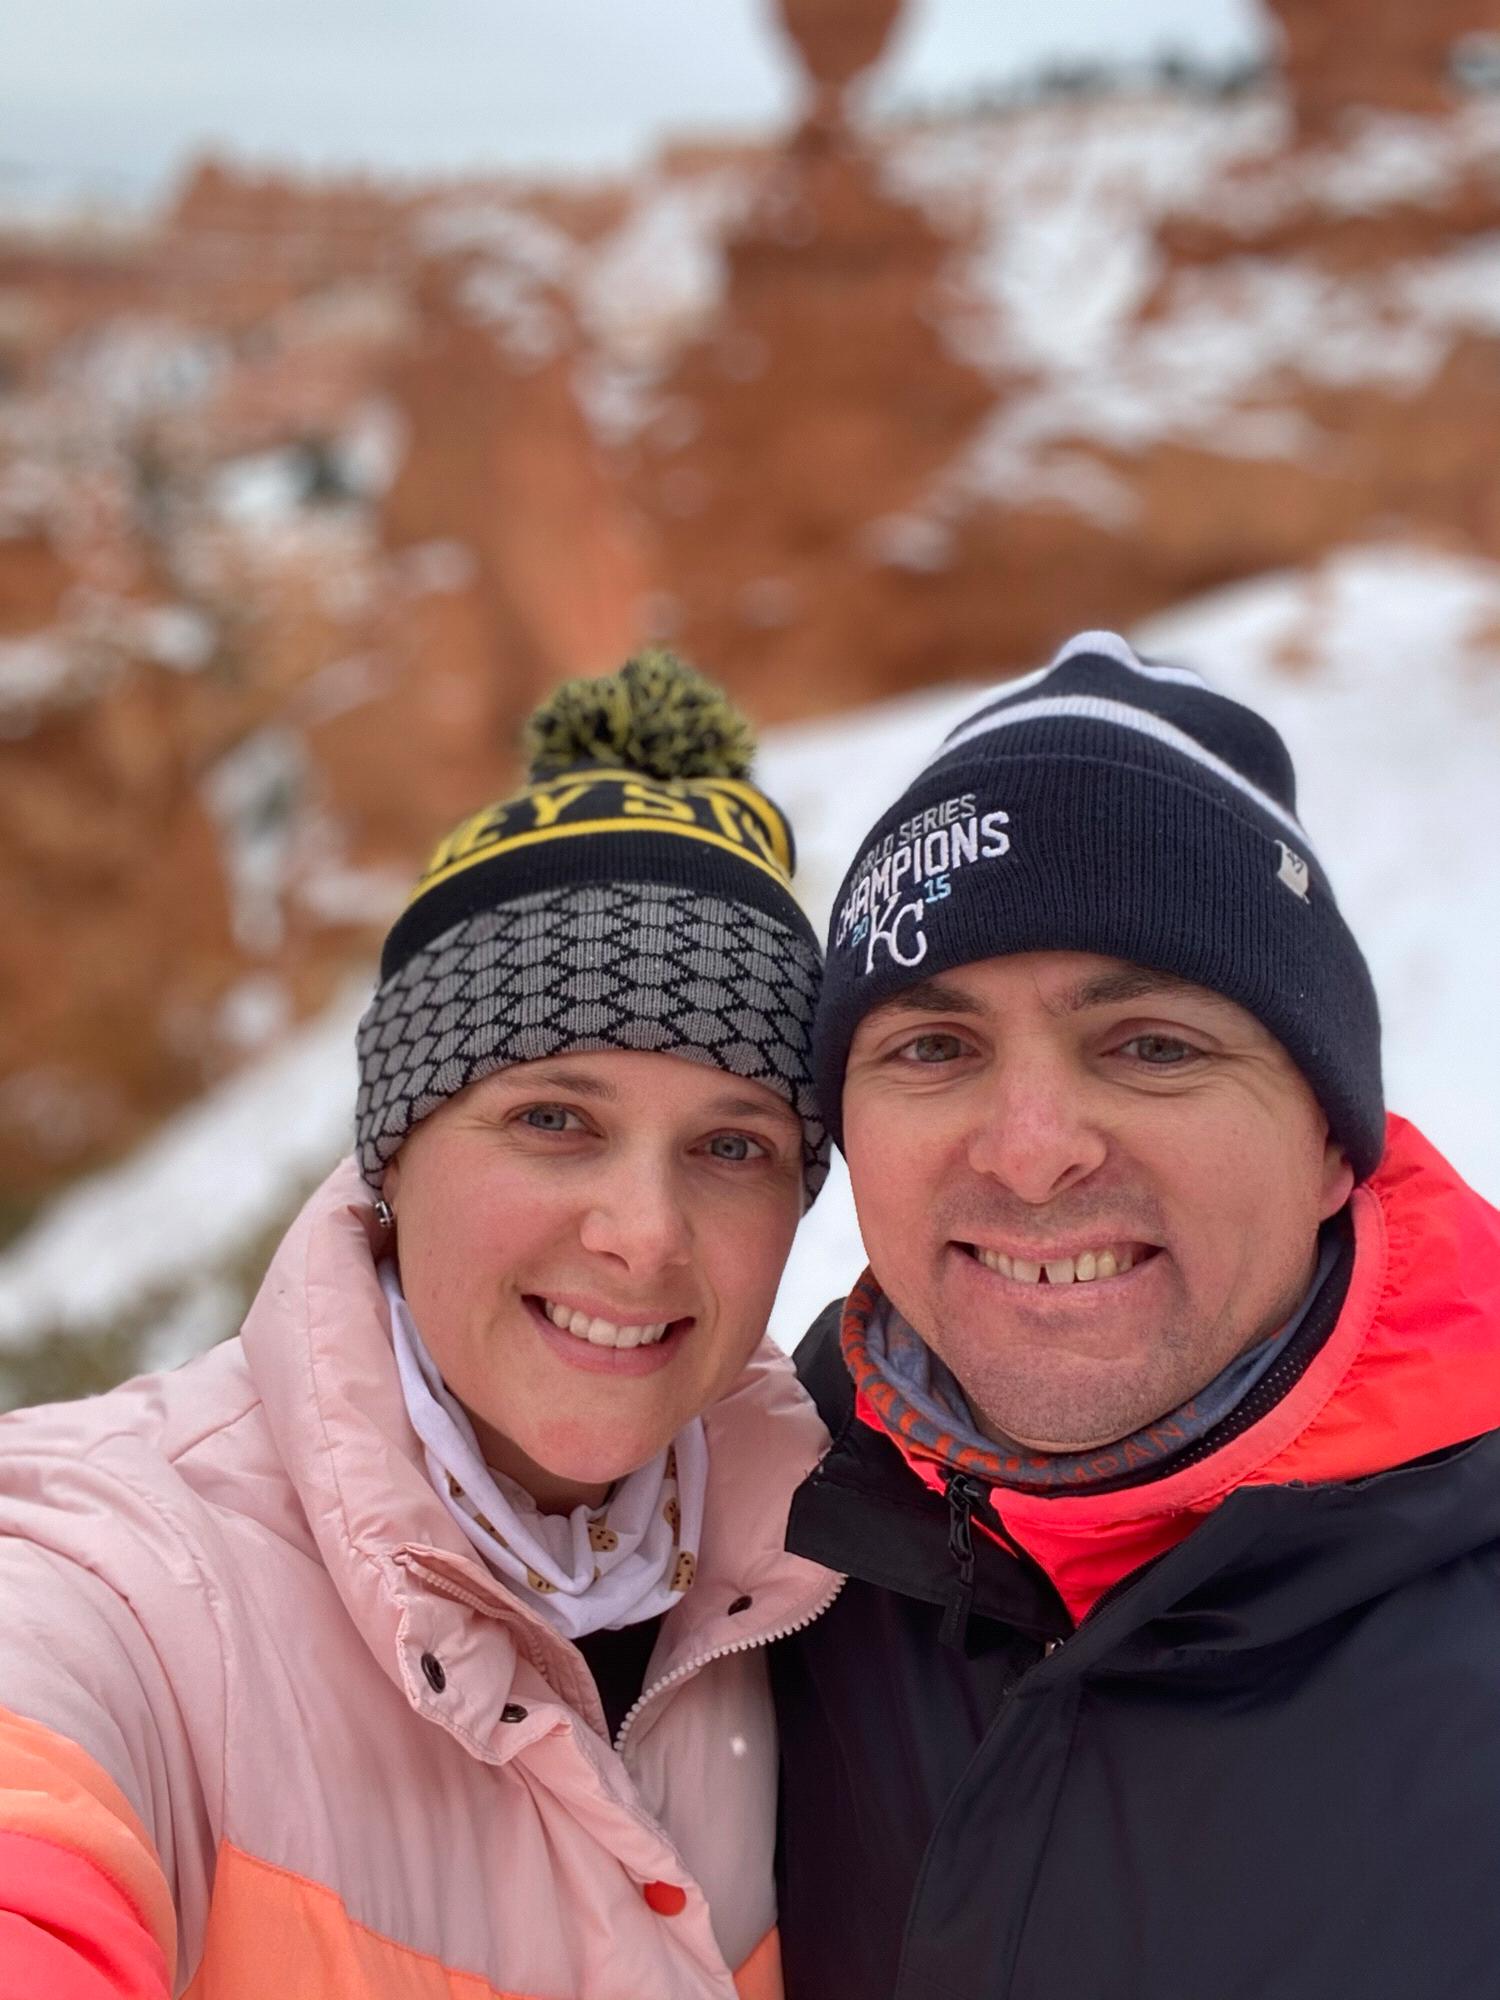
{"x": 636, "y": 894}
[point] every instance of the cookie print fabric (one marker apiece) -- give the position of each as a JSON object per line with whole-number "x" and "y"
{"x": 592, "y": 1570}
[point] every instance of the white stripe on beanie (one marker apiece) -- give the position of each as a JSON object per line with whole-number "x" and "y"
{"x": 1084, "y": 645}
{"x": 1121, "y": 714}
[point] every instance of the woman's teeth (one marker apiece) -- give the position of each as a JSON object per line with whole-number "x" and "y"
{"x": 603, "y": 1332}
{"x": 1060, "y": 1270}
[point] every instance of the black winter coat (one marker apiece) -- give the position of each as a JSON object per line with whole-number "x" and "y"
{"x": 1265, "y": 1767}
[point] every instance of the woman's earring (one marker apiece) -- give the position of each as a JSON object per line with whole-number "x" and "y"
{"x": 385, "y": 1215}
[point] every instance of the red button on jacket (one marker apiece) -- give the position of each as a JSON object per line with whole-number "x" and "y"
{"x": 665, "y": 1898}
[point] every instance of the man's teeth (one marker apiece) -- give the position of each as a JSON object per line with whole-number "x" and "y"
{"x": 1060, "y": 1270}
{"x": 603, "y": 1332}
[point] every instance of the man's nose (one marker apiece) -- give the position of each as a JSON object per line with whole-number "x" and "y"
{"x": 1036, "y": 1131}
{"x": 635, "y": 1214}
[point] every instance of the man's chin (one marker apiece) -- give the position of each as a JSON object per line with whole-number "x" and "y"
{"x": 1060, "y": 1404}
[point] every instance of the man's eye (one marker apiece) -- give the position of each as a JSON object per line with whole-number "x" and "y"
{"x": 735, "y": 1146}
{"x": 931, "y": 1049}
{"x": 549, "y": 1118}
{"x": 1160, "y": 1051}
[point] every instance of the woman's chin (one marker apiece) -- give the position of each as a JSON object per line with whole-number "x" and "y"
{"x": 604, "y": 1466}
{"x": 557, "y": 1461}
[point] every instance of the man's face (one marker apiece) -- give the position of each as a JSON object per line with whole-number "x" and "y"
{"x": 1022, "y": 1123}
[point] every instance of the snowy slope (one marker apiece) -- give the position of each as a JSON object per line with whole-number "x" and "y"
{"x": 1382, "y": 668}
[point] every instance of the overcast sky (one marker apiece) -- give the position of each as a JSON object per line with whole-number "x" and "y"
{"x": 113, "y": 95}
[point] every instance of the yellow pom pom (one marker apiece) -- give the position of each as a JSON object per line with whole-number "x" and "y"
{"x": 656, "y": 716}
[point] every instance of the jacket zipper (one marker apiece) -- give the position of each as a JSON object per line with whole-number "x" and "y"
{"x": 963, "y": 1494}
{"x": 690, "y": 1667}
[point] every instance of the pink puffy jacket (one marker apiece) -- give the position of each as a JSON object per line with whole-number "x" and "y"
{"x": 269, "y": 1726}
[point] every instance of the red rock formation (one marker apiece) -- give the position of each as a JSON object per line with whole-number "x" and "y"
{"x": 558, "y": 581}
{"x": 836, "y": 40}
{"x": 821, "y": 406}
{"x": 825, "y": 383}
{"x": 240, "y": 633}
{"x": 1339, "y": 56}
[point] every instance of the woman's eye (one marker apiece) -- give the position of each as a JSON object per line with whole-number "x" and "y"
{"x": 1160, "y": 1051}
{"x": 549, "y": 1118}
{"x": 933, "y": 1048}
{"x": 735, "y": 1146}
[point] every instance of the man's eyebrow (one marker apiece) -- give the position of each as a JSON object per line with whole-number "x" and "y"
{"x": 928, "y": 996}
{"x": 1129, "y": 982}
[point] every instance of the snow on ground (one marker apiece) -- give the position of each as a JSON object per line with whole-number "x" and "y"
{"x": 1382, "y": 670}
{"x": 1381, "y": 667}
{"x": 208, "y": 1183}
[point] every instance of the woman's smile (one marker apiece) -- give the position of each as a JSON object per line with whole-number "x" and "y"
{"x": 604, "y": 1347}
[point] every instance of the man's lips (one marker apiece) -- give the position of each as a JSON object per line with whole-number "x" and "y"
{"x": 1106, "y": 1261}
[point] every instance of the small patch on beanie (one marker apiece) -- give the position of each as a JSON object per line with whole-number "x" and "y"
{"x": 909, "y": 872}
{"x": 1292, "y": 870}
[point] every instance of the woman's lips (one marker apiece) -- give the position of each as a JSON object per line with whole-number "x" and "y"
{"x": 577, "y": 1351}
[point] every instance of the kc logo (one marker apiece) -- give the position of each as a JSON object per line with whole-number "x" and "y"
{"x": 918, "y": 861}
{"x": 886, "y": 929}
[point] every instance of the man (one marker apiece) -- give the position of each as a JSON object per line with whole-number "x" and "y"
{"x": 1165, "y": 1468}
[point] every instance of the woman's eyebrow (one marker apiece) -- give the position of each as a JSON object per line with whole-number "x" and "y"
{"x": 753, "y": 1107}
{"x": 586, "y": 1083}
{"x": 581, "y": 1082}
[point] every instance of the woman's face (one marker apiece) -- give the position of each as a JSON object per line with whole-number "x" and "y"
{"x": 590, "y": 1246}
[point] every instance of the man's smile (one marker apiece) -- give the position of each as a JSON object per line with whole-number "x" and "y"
{"x": 1099, "y": 1262}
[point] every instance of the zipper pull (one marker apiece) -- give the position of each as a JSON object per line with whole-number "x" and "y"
{"x": 963, "y": 1493}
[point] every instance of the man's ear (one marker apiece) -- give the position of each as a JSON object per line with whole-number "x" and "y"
{"x": 1338, "y": 1178}
{"x": 391, "y": 1181}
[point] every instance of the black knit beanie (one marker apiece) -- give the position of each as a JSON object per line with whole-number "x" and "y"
{"x": 635, "y": 895}
{"x": 1113, "y": 805}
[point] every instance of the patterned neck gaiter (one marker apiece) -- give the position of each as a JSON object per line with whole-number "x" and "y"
{"x": 921, "y": 1403}
{"x": 589, "y": 1571}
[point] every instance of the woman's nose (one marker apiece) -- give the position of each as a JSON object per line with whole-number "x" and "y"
{"x": 635, "y": 1214}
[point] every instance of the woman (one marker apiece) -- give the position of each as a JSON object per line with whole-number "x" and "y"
{"x": 412, "y": 1643}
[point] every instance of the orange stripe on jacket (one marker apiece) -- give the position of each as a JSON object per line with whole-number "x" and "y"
{"x": 51, "y": 1790}
{"x": 270, "y": 1931}
{"x": 67, "y": 1932}
{"x": 759, "y": 1978}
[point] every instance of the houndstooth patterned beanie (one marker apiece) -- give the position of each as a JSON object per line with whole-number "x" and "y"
{"x": 636, "y": 894}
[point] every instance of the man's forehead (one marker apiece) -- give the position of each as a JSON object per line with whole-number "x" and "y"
{"x": 1065, "y": 982}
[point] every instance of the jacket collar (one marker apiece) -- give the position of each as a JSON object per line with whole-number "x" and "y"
{"x": 317, "y": 1344}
